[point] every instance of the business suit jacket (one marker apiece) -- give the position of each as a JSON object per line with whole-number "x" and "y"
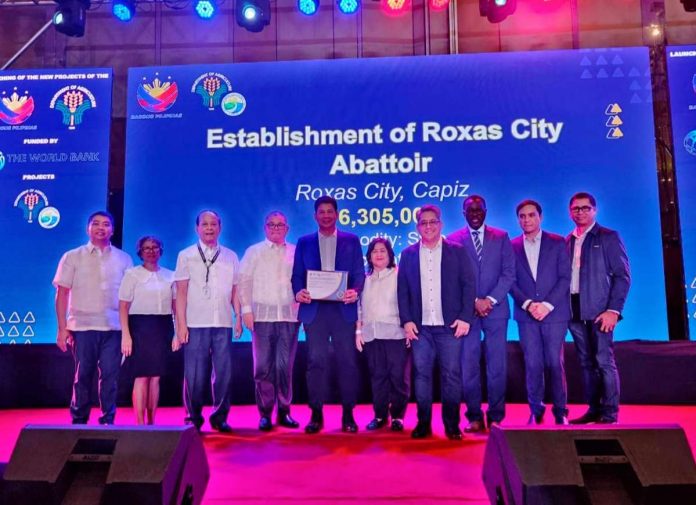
{"x": 605, "y": 274}
{"x": 552, "y": 284}
{"x": 457, "y": 285}
{"x": 496, "y": 271}
{"x": 348, "y": 257}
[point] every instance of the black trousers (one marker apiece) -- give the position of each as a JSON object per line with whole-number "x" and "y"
{"x": 329, "y": 326}
{"x": 390, "y": 374}
{"x": 274, "y": 345}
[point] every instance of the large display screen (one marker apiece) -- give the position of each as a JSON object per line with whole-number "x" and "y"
{"x": 54, "y": 158}
{"x": 681, "y": 66}
{"x": 387, "y": 135}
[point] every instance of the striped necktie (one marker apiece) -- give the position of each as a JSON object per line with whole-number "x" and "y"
{"x": 477, "y": 244}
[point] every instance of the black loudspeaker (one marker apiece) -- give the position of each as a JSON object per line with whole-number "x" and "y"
{"x": 78, "y": 465}
{"x": 594, "y": 465}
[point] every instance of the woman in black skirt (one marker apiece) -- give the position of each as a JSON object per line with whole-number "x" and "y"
{"x": 146, "y": 308}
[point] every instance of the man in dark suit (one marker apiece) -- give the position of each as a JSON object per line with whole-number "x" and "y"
{"x": 542, "y": 309}
{"x": 600, "y": 280}
{"x": 329, "y": 250}
{"x": 493, "y": 262}
{"x": 436, "y": 298}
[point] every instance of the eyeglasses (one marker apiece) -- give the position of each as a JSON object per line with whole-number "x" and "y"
{"x": 276, "y": 226}
{"x": 578, "y": 210}
{"x": 153, "y": 248}
{"x": 432, "y": 222}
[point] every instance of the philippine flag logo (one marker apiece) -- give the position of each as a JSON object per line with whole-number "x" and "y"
{"x": 157, "y": 96}
{"x": 16, "y": 109}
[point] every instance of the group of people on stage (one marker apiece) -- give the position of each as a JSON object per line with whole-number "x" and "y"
{"x": 445, "y": 297}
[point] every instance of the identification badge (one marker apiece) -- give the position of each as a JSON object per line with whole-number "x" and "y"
{"x": 206, "y": 291}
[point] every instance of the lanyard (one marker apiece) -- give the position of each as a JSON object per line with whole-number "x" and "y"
{"x": 208, "y": 263}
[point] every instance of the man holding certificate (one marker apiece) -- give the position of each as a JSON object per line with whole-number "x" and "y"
{"x": 327, "y": 278}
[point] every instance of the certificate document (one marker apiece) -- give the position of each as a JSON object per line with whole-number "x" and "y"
{"x": 327, "y": 286}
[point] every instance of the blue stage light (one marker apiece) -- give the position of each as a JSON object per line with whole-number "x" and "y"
{"x": 253, "y": 15}
{"x": 205, "y": 9}
{"x": 348, "y": 6}
{"x": 124, "y": 10}
{"x": 308, "y": 7}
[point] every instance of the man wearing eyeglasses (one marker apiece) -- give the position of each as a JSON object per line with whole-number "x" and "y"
{"x": 206, "y": 278}
{"x": 493, "y": 262}
{"x": 269, "y": 311}
{"x": 436, "y": 290}
{"x": 600, "y": 280}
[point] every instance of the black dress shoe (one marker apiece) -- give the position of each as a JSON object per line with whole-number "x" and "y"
{"x": 397, "y": 425}
{"x": 222, "y": 427}
{"x": 265, "y": 424}
{"x": 286, "y": 421}
{"x": 314, "y": 426}
{"x": 475, "y": 427}
{"x": 561, "y": 420}
{"x": 376, "y": 424}
{"x": 455, "y": 434}
{"x": 421, "y": 431}
{"x": 198, "y": 426}
{"x": 535, "y": 419}
{"x": 606, "y": 420}
{"x": 349, "y": 425}
{"x": 587, "y": 418}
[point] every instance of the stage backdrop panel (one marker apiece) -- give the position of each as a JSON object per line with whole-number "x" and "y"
{"x": 54, "y": 158}
{"x": 681, "y": 67}
{"x": 386, "y": 135}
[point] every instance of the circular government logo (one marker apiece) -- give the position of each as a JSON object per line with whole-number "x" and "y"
{"x": 690, "y": 142}
{"x": 49, "y": 217}
{"x": 2, "y": 160}
{"x": 158, "y": 95}
{"x": 233, "y": 104}
{"x": 15, "y": 108}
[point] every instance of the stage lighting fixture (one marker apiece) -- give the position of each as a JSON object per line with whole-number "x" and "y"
{"x": 348, "y": 6}
{"x": 438, "y": 5}
{"x": 124, "y": 10}
{"x": 497, "y": 10}
{"x": 395, "y": 7}
{"x": 689, "y": 5}
{"x": 70, "y": 17}
{"x": 205, "y": 9}
{"x": 308, "y": 7}
{"x": 253, "y": 15}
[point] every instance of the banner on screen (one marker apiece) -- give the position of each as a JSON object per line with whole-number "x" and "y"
{"x": 54, "y": 158}
{"x": 385, "y": 136}
{"x": 681, "y": 67}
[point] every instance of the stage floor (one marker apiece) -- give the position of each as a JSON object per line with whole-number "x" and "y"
{"x": 287, "y": 466}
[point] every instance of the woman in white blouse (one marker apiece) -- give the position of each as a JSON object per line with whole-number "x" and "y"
{"x": 380, "y": 334}
{"x": 146, "y": 307}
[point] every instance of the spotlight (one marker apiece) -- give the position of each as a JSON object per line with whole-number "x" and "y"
{"x": 497, "y": 10}
{"x": 348, "y": 6}
{"x": 308, "y": 7}
{"x": 689, "y": 5}
{"x": 205, "y": 9}
{"x": 71, "y": 16}
{"x": 253, "y": 15}
{"x": 395, "y": 7}
{"x": 438, "y": 5}
{"x": 124, "y": 10}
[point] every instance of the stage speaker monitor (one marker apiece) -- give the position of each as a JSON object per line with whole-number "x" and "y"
{"x": 79, "y": 465}
{"x": 596, "y": 465}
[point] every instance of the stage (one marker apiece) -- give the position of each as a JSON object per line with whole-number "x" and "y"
{"x": 287, "y": 466}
